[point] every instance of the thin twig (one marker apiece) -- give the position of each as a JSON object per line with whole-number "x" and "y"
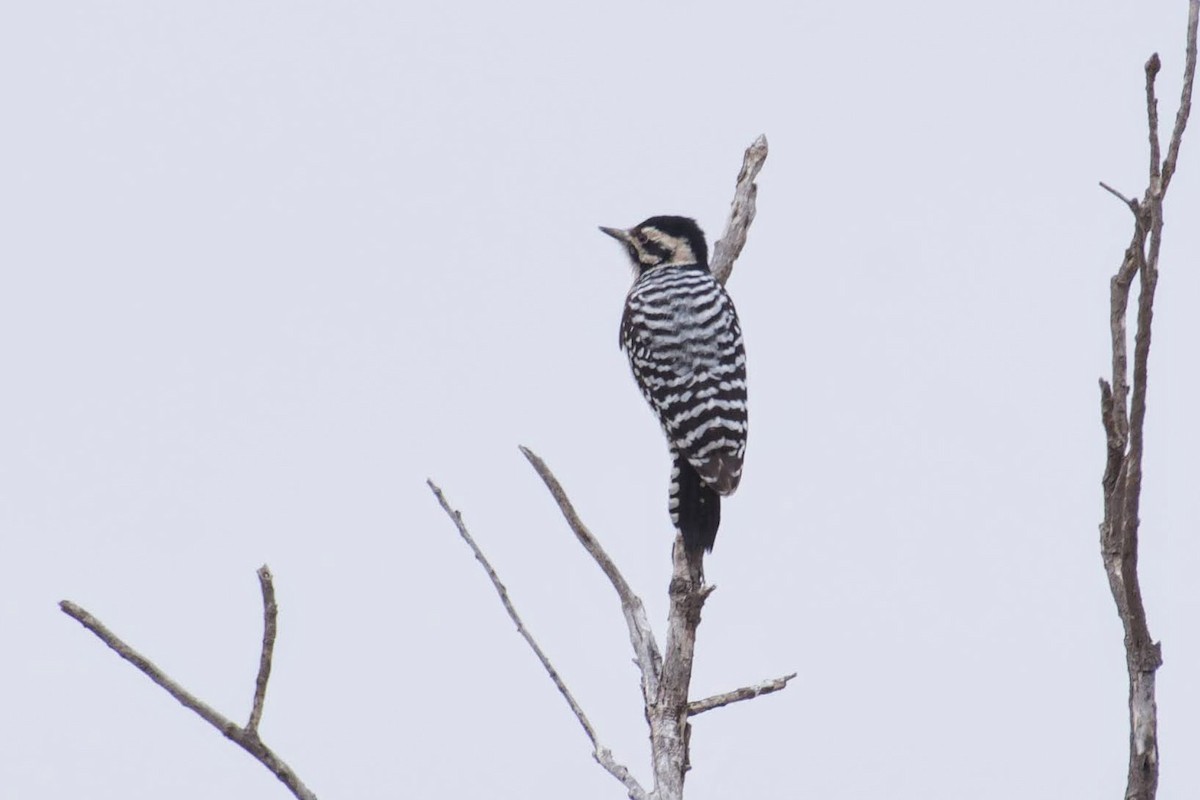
{"x": 602, "y": 754}
{"x": 456, "y": 518}
{"x": 270, "y": 624}
{"x": 246, "y": 738}
{"x": 641, "y": 637}
{"x": 741, "y": 212}
{"x": 1133, "y": 204}
{"x": 1153, "y": 65}
{"x": 737, "y": 695}
{"x": 1185, "y": 99}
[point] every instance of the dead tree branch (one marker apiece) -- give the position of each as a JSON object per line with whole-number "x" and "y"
{"x": 665, "y": 683}
{"x": 666, "y": 704}
{"x": 602, "y": 754}
{"x": 670, "y": 733}
{"x": 1124, "y": 415}
{"x": 245, "y": 737}
{"x": 641, "y": 637}
{"x": 1133, "y": 205}
{"x": 270, "y": 626}
{"x": 665, "y": 676}
{"x": 741, "y": 212}
{"x": 665, "y": 679}
{"x": 737, "y": 695}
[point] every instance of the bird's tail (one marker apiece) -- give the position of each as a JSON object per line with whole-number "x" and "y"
{"x": 695, "y": 508}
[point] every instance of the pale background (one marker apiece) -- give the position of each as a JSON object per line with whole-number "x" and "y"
{"x": 267, "y": 266}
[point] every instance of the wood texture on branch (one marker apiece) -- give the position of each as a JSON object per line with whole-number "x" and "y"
{"x": 670, "y": 732}
{"x": 1123, "y": 413}
{"x": 741, "y": 211}
{"x": 737, "y": 695}
{"x": 270, "y": 627}
{"x": 246, "y": 736}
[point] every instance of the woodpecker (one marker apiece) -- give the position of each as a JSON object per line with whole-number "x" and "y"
{"x": 681, "y": 334}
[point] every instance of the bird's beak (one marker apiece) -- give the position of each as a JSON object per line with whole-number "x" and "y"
{"x": 617, "y": 233}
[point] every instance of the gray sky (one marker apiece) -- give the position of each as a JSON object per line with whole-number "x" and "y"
{"x": 268, "y": 266}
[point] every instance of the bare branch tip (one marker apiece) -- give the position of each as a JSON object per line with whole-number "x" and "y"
{"x": 1132, "y": 204}
{"x": 738, "y": 695}
{"x": 72, "y": 610}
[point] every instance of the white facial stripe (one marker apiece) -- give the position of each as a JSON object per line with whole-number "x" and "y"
{"x": 640, "y": 253}
{"x": 679, "y": 249}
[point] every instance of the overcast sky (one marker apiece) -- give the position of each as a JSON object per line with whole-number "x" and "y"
{"x": 268, "y": 266}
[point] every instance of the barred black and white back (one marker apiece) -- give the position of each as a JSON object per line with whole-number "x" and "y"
{"x": 681, "y": 333}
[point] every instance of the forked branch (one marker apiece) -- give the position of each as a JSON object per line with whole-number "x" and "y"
{"x": 665, "y": 679}
{"x": 665, "y": 676}
{"x": 1123, "y": 413}
{"x": 246, "y": 736}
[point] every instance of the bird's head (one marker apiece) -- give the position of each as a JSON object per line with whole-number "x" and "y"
{"x": 663, "y": 241}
